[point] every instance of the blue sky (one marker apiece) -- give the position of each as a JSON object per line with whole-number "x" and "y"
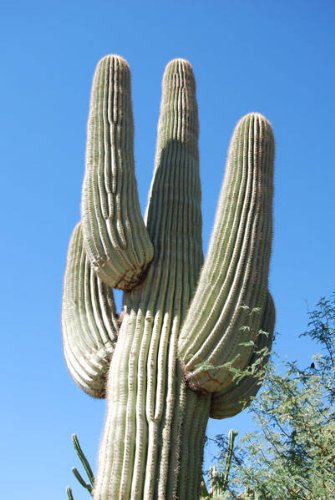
{"x": 248, "y": 55}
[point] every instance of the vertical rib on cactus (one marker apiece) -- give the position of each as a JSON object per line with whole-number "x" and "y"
{"x": 89, "y": 321}
{"x": 234, "y": 277}
{"x": 115, "y": 237}
{"x": 152, "y": 444}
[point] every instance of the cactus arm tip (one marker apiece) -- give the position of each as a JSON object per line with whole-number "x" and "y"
{"x": 173, "y": 212}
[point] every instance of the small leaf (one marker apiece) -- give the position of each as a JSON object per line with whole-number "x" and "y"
{"x": 248, "y": 343}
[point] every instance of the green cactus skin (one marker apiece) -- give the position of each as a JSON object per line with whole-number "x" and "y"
{"x": 157, "y": 405}
{"x": 231, "y": 401}
{"x": 236, "y": 269}
{"x": 115, "y": 237}
{"x": 89, "y": 321}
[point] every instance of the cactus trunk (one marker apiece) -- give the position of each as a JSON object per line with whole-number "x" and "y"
{"x": 152, "y": 444}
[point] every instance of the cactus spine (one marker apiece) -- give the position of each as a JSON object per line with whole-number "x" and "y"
{"x": 168, "y": 356}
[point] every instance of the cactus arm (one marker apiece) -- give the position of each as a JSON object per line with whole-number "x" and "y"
{"x": 89, "y": 320}
{"x": 175, "y": 188}
{"x": 236, "y": 397}
{"x": 115, "y": 237}
{"x": 236, "y": 268}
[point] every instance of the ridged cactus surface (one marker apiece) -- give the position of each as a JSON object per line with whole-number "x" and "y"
{"x": 116, "y": 240}
{"x": 164, "y": 362}
{"x": 236, "y": 269}
{"x": 89, "y": 320}
{"x": 232, "y": 400}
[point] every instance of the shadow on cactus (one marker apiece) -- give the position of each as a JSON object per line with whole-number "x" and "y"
{"x": 166, "y": 363}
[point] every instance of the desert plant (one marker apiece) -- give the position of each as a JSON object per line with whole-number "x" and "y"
{"x": 81, "y": 455}
{"x": 292, "y": 452}
{"x": 219, "y": 479}
{"x": 167, "y": 361}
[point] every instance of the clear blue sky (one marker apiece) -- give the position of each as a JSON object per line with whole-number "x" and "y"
{"x": 248, "y": 55}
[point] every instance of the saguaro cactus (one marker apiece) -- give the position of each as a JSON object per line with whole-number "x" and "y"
{"x": 166, "y": 362}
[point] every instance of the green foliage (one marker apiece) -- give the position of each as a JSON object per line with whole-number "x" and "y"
{"x": 292, "y": 454}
